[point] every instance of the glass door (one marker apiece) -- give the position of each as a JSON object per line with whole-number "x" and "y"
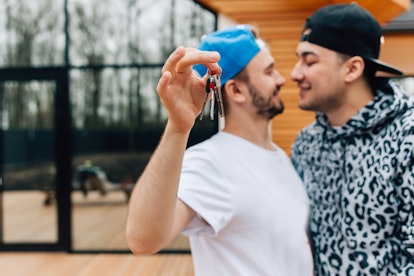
{"x": 28, "y": 182}
{"x": 33, "y": 163}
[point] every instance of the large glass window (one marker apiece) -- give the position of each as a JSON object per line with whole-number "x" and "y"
{"x": 32, "y": 33}
{"x": 28, "y": 175}
{"x": 113, "y": 51}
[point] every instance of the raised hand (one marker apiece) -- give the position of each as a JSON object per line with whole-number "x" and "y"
{"x": 181, "y": 91}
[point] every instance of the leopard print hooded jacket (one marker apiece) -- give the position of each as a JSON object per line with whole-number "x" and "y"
{"x": 360, "y": 181}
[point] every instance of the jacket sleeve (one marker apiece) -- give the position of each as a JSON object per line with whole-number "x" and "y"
{"x": 405, "y": 184}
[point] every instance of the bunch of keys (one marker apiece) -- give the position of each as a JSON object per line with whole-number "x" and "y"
{"x": 213, "y": 85}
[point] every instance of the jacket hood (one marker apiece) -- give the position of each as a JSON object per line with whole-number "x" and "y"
{"x": 389, "y": 102}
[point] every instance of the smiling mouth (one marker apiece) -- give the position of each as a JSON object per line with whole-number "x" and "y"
{"x": 303, "y": 91}
{"x": 303, "y": 88}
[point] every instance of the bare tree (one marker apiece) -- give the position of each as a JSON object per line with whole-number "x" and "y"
{"x": 89, "y": 46}
{"x": 143, "y": 31}
{"x": 25, "y": 26}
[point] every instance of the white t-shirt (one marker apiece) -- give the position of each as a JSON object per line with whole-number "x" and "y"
{"x": 255, "y": 207}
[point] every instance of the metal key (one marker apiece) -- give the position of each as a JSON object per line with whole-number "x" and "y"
{"x": 212, "y": 101}
{"x": 208, "y": 90}
{"x": 218, "y": 96}
{"x": 213, "y": 85}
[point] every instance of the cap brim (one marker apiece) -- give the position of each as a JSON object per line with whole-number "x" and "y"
{"x": 384, "y": 67}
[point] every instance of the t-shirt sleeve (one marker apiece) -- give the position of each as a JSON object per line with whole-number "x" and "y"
{"x": 203, "y": 188}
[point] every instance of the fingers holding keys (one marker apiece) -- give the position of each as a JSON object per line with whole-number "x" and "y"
{"x": 181, "y": 90}
{"x": 182, "y": 59}
{"x": 194, "y": 56}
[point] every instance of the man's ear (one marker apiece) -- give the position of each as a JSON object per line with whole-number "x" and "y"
{"x": 235, "y": 90}
{"x": 354, "y": 68}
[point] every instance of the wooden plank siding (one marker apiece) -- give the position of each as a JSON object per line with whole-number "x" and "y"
{"x": 282, "y": 33}
{"x": 398, "y": 51}
{"x": 280, "y": 23}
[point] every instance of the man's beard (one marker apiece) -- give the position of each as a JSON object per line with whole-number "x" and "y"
{"x": 265, "y": 107}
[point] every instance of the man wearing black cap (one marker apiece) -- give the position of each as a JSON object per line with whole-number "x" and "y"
{"x": 356, "y": 159}
{"x": 236, "y": 195}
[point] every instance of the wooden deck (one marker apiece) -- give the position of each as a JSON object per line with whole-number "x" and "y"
{"x": 62, "y": 264}
{"x": 98, "y": 224}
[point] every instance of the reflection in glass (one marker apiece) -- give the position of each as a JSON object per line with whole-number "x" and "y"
{"x": 100, "y": 210}
{"x": 27, "y": 112}
{"x": 133, "y": 32}
{"x": 32, "y": 33}
{"x": 114, "y": 135}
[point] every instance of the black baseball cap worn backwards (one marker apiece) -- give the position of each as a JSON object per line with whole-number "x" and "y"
{"x": 348, "y": 29}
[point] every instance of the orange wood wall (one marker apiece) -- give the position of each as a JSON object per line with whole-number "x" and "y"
{"x": 398, "y": 50}
{"x": 283, "y": 36}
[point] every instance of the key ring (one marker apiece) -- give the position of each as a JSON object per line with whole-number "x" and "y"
{"x": 213, "y": 85}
